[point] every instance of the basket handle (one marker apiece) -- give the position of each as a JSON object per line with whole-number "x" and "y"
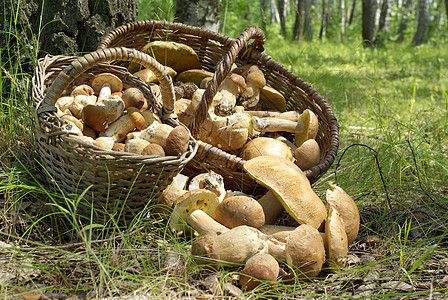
{"x": 80, "y": 65}
{"x": 224, "y": 67}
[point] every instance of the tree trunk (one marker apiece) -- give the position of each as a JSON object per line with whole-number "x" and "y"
{"x": 63, "y": 26}
{"x": 384, "y": 25}
{"x": 323, "y": 23}
{"x": 342, "y": 20}
{"x": 275, "y": 18}
{"x": 263, "y": 5}
{"x": 352, "y": 13}
{"x": 308, "y": 28}
{"x": 202, "y": 13}
{"x": 423, "y": 15}
{"x": 299, "y": 24}
{"x": 404, "y": 21}
{"x": 282, "y": 13}
{"x": 369, "y": 11}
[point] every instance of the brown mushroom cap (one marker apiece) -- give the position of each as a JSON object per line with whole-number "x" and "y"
{"x": 272, "y": 99}
{"x": 336, "y": 242}
{"x": 135, "y": 146}
{"x": 94, "y": 117}
{"x": 115, "y": 83}
{"x": 178, "y": 56}
{"x": 338, "y": 199}
{"x": 305, "y": 250}
{"x": 266, "y": 146}
{"x": 256, "y": 77}
{"x": 307, "y": 155}
{"x": 133, "y": 97}
{"x": 239, "y": 210}
{"x": 153, "y": 149}
{"x": 252, "y": 276}
{"x": 177, "y": 141}
{"x": 264, "y": 259}
{"x": 290, "y": 185}
{"x": 137, "y": 117}
{"x": 82, "y": 89}
{"x": 193, "y": 75}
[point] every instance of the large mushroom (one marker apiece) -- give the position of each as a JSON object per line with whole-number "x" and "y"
{"x": 336, "y": 242}
{"x": 291, "y": 187}
{"x": 239, "y": 210}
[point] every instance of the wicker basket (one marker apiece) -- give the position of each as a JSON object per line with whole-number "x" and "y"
{"x": 217, "y": 53}
{"x": 113, "y": 182}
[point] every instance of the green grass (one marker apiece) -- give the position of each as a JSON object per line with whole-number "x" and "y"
{"x": 392, "y": 105}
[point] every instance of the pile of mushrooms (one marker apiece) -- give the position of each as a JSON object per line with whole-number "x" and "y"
{"x": 104, "y": 114}
{"x": 233, "y": 230}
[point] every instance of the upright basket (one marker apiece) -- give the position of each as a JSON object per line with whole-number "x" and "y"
{"x": 111, "y": 182}
{"x": 217, "y": 53}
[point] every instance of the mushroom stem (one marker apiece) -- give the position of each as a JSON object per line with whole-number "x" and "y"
{"x": 203, "y": 223}
{"x": 272, "y": 124}
{"x": 105, "y": 92}
{"x": 271, "y": 206}
{"x": 289, "y": 115}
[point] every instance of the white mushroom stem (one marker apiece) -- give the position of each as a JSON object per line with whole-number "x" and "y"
{"x": 271, "y": 124}
{"x": 229, "y": 91}
{"x": 203, "y": 223}
{"x": 271, "y": 206}
{"x": 105, "y": 92}
{"x": 289, "y": 115}
{"x": 120, "y": 128}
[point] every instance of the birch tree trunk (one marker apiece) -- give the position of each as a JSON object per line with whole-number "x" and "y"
{"x": 342, "y": 20}
{"x": 404, "y": 21}
{"x": 352, "y": 13}
{"x": 384, "y": 24}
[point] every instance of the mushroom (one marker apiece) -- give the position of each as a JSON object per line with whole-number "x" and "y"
{"x": 255, "y": 81}
{"x": 177, "y": 141}
{"x": 264, "y": 259}
{"x": 64, "y": 103}
{"x": 137, "y": 117}
{"x": 305, "y": 250}
{"x": 157, "y": 133}
{"x": 229, "y": 90}
{"x": 106, "y": 143}
{"x": 272, "y": 99}
{"x": 135, "y": 145}
{"x": 153, "y": 149}
{"x": 105, "y": 84}
{"x": 113, "y": 107}
{"x": 150, "y": 118}
{"x": 173, "y": 191}
{"x": 339, "y": 200}
{"x": 272, "y": 208}
{"x": 78, "y": 104}
{"x": 87, "y": 131}
{"x": 193, "y": 75}
{"x": 134, "y": 97}
{"x": 239, "y": 210}
{"x": 336, "y": 242}
{"x": 82, "y": 89}
{"x": 176, "y": 55}
{"x": 239, "y": 244}
{"x": 265, "y": 146}
{"x": 307, "y": 155}
{"x": 73, "y": 119}
{"x": 120, "y": 128}
{"x": 148, "y": 76}
{"x": 71, "y": 128}
{"x": 291, "y": 187}
{"x": 196, "y": 208}
{"x": 254, "y": 275}
{"x": 94, "y": 117}
{"x": 211, "y": 181}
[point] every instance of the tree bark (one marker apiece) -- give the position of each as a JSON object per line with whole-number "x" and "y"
{"x": 323, "y": 23}
{"x": 423, "y": 15}
{"x": 282, "y": 14}
{"x": 369, "y": 11}
{"x": 308, "y": 28}
{"x": 263, "y": 5}
{"x": 342, "y": 20}
{"x": 404, "y": 21}
{"x": 352, "y": 13}
{"x": 275, "y": 17}
{"x": 202, "y": 13}
{"x": 384, "y": 24}
{"x": 63, "y": 26}
{"x": 299, "y": 24}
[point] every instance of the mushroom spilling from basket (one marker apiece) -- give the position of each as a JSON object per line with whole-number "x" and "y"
{"x": 246, "y": 118}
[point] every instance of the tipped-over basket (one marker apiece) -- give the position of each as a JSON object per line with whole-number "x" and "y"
{"x": 109, "y": 182}
{"x": 217, "y": 53}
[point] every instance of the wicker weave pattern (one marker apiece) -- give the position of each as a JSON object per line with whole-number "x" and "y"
{"x": 118, "y": 182}
{"x": 217, "y": 53}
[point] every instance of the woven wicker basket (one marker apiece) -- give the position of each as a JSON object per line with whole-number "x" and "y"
{"x": 217, "y": 53}
{"x": 115, "y": 182}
